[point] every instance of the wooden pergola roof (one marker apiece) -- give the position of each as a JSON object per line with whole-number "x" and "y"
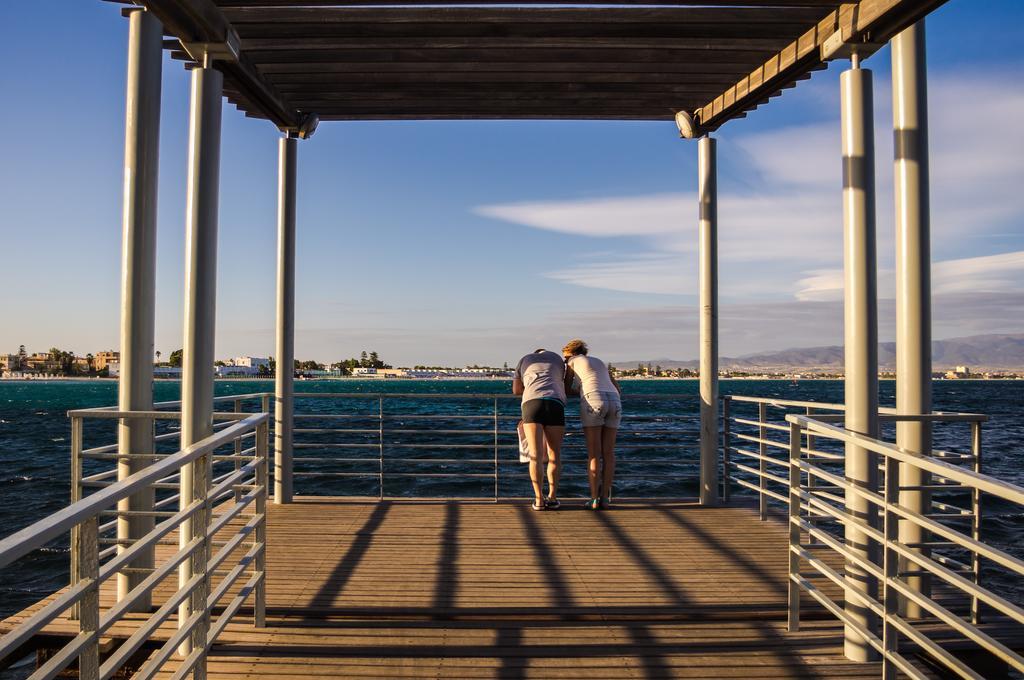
{"x": 472, "y": 59}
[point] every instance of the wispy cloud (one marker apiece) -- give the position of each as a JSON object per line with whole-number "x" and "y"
{"x": 785, "y": 237}
{"x": 988, "y": 273}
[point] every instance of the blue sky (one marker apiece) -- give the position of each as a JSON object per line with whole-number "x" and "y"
{"x": 473, "y": 242}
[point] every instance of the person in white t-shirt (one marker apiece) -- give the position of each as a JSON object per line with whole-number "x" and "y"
{"x": 600, "y": 414}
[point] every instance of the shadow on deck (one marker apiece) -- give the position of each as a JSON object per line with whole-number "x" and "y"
{"x": 484, "y": 590}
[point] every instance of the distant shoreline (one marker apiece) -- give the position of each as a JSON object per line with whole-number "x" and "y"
{"x": 85, "y": 379}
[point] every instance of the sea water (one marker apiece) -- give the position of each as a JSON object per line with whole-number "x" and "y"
{"x": 35, "y": 444}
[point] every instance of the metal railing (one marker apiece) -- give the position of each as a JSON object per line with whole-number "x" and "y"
{"x": 755, "y": 444}
{"x": 954, "y": 607}
{"x": 387, "y": 441}
{"x": 221, "y": 518}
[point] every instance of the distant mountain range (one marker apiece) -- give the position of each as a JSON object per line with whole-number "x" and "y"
{"x": 999, "y": 352}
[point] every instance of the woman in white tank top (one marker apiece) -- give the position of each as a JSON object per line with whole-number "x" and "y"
{"x": 600, "y": 414}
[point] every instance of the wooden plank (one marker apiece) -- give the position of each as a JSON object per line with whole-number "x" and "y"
{"x": 259, "y": 48}
{"x": 296, "y": 72}
{"x": 202, "y": 21}
{"x": 583, "y": 55}
{"x": 872, "y": 21}
{"x": 245, "y": 19}
{"x": 830, "y": 4}
{"x": 482, "y": 590}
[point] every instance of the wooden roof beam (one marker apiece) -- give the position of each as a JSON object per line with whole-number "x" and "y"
{"x": 868, "y": 22}
{"x": 201, "y": 21}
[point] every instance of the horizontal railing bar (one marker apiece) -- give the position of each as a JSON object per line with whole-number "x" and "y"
{"x": 967, "y": 477}
{"x": 45, "y": 530}
{"x": 39, "y": 620}
{"x": 762, "y": 475}
{"x": 232, "y": 545}
{"x": 307, "y": 445}
{"x": 759, "y": 424}
{"x": 232, "y": 575}
{"x": 123, "y": 606}
{"x": 232, "y": 608}
{"x": 972, "y": 633}
{"x": 781, "y": 403}
{"x": 746, "y": 453}
{"x": 755, "y": 487}
{"x": 759, "y": 440}
{"x": 63, "y": 658}
{"x": 170, "y": 645}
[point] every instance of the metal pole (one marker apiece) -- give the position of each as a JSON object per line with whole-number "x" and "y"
{"x": 977, "y": 517}
{"x": 259, "y": 610}
{"x": 793, "y": 609}
{"x": 138, "y": 284}
{"x": 913, "y": 287}
{"x": 284, "y": 383}
{"x": 200, "y": 308}
{"x": 726, "y": 445}
{"x": 708, "y": 234}
{"x": 861, "y": 335}
{"x": 76, "y": 495}
{"x": 495, "y": 450}
{"x": 762, "y": 461}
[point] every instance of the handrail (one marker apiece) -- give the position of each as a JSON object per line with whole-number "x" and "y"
{"x": 207, "y": 517}
{"x": 808, "y": 506}
{"x": 752, "y": 439}
{"x": 38, "y": 534}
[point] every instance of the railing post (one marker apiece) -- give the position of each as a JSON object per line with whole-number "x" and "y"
{"x": 495, "y": 450}
{"x": 762, "y": 464}
{"x": 976, "y": 509}
{"x": 380, "y": 439}
{"x": 890, "y": 566}
{"x": 260, "y": 539}
{"x": 87, "y": 549}
{"x": 76, "y": 495}
{"x": 793, "y": 618}
{"x": 812, "y": 441}
{"x": 199, "y": 562}
{"x": 726, "y": 444}
{"x": 238, "y": 450}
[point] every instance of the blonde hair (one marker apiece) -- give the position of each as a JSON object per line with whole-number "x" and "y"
{"x": 575, "y": 347}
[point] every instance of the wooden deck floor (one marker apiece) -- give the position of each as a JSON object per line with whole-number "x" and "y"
{"x": 483, "y": 590}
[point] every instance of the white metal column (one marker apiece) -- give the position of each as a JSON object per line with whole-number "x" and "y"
{"x": 284, "y": 375}
{"x": 708, "y": 235}
{"x": 861, "y": 337}
{"x": 200, "y": 315}
{"x": 913, "y": 283}
{"x": 138, "y": 282}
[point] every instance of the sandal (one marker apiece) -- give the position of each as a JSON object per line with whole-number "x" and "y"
{"x": 540, "y": 506}
{"x": 552, "y": 503}
{"x": 594, "y": 504}
{"x": 606, "y": 503}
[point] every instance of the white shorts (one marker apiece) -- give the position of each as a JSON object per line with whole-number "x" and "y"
{"x": 600, "y": 409}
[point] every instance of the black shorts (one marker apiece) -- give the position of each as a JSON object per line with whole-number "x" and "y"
{"x": 544, "y": 412}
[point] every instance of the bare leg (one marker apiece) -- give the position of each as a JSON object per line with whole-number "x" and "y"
{"x": 553, "y": 434}
{"x": 593, "y": 437}
{"x": 535, "y": 435}
{"x": 608, "y": 435}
